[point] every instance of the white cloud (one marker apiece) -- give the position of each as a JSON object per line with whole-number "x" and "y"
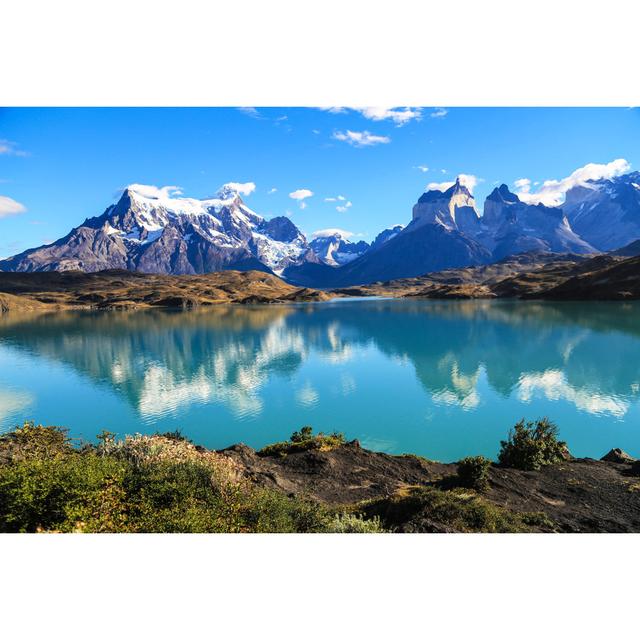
{"x": 252, "y": 112}
{"x": 10, "y": 207}
{"x": 468, "y": 180}
{"x": 151, "y": 191}
{"x": 552, "y": 192}
{"x": 8, "y": 148}
{"x": 553, "y": 385}
{"x": 422, "y": 167}
{"x": 334, "y": 109}
{"x": 272, "y": 190}
{"x": 243, "y": 188}
{"x": 360, "y": 138}
{"x": 342, "y": 208}
{"x": 327, "y": 233}
{"x": 330, "y": 199}
{"x": 439, "y": 112}
{"x": 443, "y": 171}
{"x": 301, "y": 194}
{"x": 399, "y": 116}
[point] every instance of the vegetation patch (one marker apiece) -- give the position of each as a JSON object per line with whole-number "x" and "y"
{"x": 355, "y": 523}
{"x": 457, "y": 510}
{"x": 304, "y": 440}
{"x": 139, "y": 484}
{"x": 532, "y": 445}
{"x": 473, "y": 472}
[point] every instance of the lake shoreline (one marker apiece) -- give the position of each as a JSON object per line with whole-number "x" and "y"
{"x": 312, "y": 483}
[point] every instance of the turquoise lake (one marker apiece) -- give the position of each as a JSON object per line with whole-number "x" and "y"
{"x": 443, "y": 379}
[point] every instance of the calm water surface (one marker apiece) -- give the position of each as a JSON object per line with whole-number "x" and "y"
{"x": 440, "y": 379}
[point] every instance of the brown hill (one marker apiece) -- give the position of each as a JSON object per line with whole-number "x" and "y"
{"x": 126, "y": 289}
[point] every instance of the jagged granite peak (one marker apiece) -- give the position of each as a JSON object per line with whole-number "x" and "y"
{"x": 502, "y": 194}
{"x": 158, "y": 231}
{"x": 606, "y": 212}
{"x": 453, "y": 208}
{"x": 335, "y": 249}
{"x": 386, "y": 235}
{"x": 511, "y": 226}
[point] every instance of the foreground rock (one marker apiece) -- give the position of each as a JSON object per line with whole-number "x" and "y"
{"x": 579, "y": 495}
{"x": 125, "y": 289}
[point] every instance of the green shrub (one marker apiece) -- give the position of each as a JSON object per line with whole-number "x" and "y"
{"x": 47, "y": 494}
{"x": 473, "y": 472}
{"x": 427, "y": 509}
{"x": 140, "y": 484}
{"x": 354, "y": 523}
{"x": 304, "y": 440}
{"x": 31, "y": 441}
{"x": 532, "y": 445}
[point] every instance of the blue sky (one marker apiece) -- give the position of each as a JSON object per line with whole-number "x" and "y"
{"x": 59, "y": 166}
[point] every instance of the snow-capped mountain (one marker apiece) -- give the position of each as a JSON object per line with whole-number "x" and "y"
{"x": 155, "y": 231}
{"x": 606, "y": 213}
{"x": 159, "y": 231}
{"x": 510, "y": 226}
{"x": 336, "y": 249}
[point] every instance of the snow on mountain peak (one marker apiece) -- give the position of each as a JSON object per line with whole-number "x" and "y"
{"x": 233, "y": 189}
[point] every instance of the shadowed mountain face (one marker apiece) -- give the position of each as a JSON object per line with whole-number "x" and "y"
{"x": 371, "y": 369}
{"x": 606, "y": 213}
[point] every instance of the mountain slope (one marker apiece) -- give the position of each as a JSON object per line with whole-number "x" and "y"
{"x": 511, "y": 226}
{"x": 336, "y": 249}
{"x": 606, "y": 213}
{"x": 158, "y": 233}
{"x": 418, "y": 249}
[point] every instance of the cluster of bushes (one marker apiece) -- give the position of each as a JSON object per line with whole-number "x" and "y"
{"x": 164, "y": 483}
{"x": 432, "y": 509}
{"x": 304, "y": 440}
{"x": 156, "y": 483}
{"x": 529, "y": 447}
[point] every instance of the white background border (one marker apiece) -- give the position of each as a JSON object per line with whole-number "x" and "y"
{"x": 318, "y": 53}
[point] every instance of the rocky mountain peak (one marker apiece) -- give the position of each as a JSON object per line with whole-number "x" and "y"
{"x": 502, "y": 194}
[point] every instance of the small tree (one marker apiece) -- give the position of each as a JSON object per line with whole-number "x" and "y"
{"x": 473, "y": 472}
{"x": 532, "y": 445}
{"x": 306, "y": 433}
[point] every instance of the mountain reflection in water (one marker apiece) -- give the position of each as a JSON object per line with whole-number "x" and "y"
{"x": 442, "y": 379}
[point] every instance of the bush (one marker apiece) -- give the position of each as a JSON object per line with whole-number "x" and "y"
{"x": 304, "y": 440}
{"x": 152, "y": 484}
{"x": 431, "y": 510}
{"x": 473, "y": 472}
{"x": 31, "y": 441}
{"x": 532, "y": 445}
{"x": 354, "y": 523}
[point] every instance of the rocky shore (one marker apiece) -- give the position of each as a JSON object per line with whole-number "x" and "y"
{"x": 310, "y": 483}
{"x": 576, "y": 495}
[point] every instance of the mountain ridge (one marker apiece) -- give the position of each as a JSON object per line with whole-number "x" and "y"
{"x": 155, "y": 230}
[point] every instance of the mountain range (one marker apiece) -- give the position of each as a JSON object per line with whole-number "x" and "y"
{"x": 151, "y": 231}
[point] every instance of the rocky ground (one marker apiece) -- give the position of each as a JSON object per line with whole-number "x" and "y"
{"x": 525, "y": 276}
{"x": 578, "y": 495}
{"x": 127, "y": 289}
